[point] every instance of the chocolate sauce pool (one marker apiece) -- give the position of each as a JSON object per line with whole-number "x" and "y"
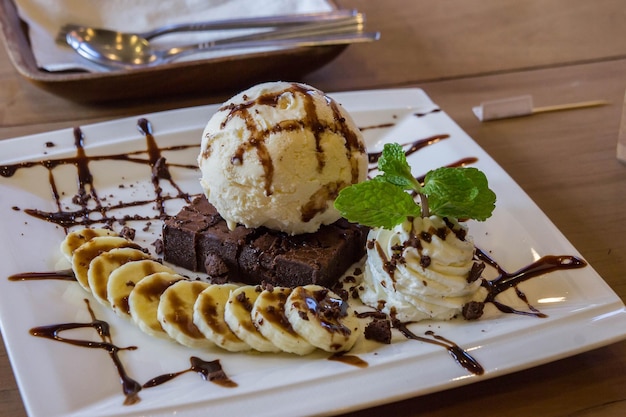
{"x": 160, "y": 171}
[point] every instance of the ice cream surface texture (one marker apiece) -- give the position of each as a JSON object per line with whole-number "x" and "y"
{"x": 422, "y": 269}
{"x": 277, "y": 155}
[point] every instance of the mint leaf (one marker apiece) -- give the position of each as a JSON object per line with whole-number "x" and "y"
{"x": 376, "y": 203}
{"x": 396, "y": 169}
{"x": 461, "y": 193}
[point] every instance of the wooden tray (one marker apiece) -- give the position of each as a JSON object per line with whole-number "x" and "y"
{"x": 210, "y": 75}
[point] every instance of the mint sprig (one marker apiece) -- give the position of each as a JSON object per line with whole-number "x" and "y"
{"x": 383, "y": 201}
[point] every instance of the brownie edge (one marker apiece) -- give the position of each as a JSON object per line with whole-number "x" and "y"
{"x": 198, "y": 239}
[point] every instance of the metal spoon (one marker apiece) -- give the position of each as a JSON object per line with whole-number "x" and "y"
{"x": 132, "y": 51}
{"x": 224, "y": 24}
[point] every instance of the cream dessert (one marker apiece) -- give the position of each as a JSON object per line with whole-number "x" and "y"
{"x": 420, "y": 260}
{"x": 273, "y": 159}
{"x": 421, "y": 269}
{"x": 277, "y": 155}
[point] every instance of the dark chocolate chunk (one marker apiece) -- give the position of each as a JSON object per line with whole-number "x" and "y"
{"x": 158, "y": 246}
{"x": 476, "y": 271}
{"x": 379, "y": 331}
{"x": 473, "y": 310}
{"x": 127, "y": 233}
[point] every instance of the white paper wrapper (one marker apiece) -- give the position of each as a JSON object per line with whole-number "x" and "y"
{"x": 45, "y": 18}
{"x": 504, "y": 108}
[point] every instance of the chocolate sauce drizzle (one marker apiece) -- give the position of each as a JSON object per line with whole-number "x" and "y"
{"x": 414, "y": 146}
{"x": 96, "y": 212}
{"x": 64, "y": 275}
{"x": 373, "y": 127}
{"x": 460, "y": 355}
{"x": 506, "y": 280}
{"x": 426, "y": 113}
{"x": 209, "y": 370}
{"x": 417, "y": 145}
{"x": 348, "y": 359}
{"x": 130, "y": 387}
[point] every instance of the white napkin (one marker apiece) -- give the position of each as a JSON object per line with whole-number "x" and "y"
{"x": 45, "y": 17}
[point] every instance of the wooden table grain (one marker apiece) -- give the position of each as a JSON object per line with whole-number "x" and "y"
{"x": 462, "y": 52}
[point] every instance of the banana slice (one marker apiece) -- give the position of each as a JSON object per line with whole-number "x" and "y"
{"x": 322, "y": 317}
{"x": 123, "y": 280}
{"x": 76, "y": 238}
{"x": 86, "y": 252}
{"x": 208, "y": 316}
{"x": 104, "y": 264}
{"x": 143, "y": 301}
{"x": 175, "y": 313}
{"x": 268, "y": 314}
{"x": 237, "y": 316}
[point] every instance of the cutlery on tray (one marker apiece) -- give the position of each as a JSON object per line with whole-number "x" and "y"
{"x": 133, "y": 50}
{"x": 223, "y": 24}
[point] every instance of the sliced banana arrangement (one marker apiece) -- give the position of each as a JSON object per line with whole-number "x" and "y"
{"x": 122, "y": 281}
{"x": 175, "y": 313}
{"x": 143, "y": 301}
{"x": 85, "y": 253}
{"x": 268, "y": 315}
{"x": 76, "y": 238}
{"x": 197, "y": 314}
{"x": 322, "y": 315}
{"x": 238, "y": 316}
{"x": 101, "y": 267}
{"x": 208, "y": 316}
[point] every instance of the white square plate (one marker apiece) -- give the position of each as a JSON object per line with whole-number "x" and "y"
{"x": 60, "y": 379}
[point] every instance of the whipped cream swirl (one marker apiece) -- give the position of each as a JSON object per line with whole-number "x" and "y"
{"x": 422, "y": 269}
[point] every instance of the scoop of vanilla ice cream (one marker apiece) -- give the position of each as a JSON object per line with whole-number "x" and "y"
{"x": 419, "y": 270}
{"x": 277, "y": 155}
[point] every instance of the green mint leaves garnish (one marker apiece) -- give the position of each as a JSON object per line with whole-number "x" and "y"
{"x": 376, "y": 203}
{"x": 396, "y": 169}
{"x": 461, "y": 193}
{"x": 383, "y": 201}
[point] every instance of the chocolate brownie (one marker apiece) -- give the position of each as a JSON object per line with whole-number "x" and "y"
{"x": 198, "y": 239}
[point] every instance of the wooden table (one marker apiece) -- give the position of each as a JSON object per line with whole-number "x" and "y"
{"x": 462, "y": 52}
